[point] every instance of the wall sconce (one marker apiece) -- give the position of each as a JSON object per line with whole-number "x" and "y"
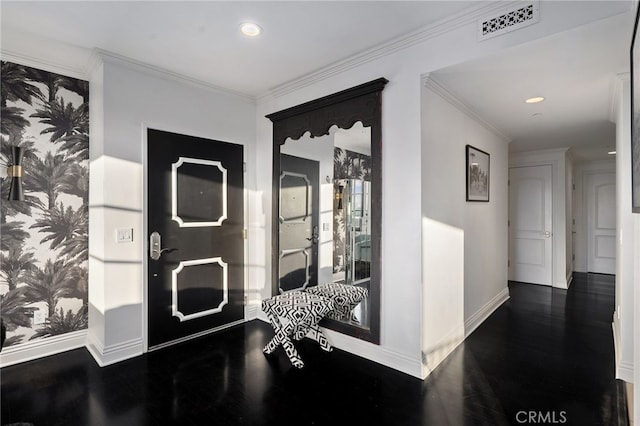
{"x": 14, "y": 172}
{"x": 339, "y": 196}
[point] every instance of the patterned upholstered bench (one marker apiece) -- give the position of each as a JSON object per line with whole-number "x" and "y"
{"x": 302, "y": 312}
{"x": 345, "y": 298}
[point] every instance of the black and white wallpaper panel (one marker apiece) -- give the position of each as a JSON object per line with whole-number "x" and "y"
{"x": 44, "y": 239}
{"x": 346, "y": 165}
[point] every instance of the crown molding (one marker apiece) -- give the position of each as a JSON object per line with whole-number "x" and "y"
{"x": 441, "y": 90}
{"x": 100, "y": 56}
{"x": 33, "y": 62}
{"x": 434, "y": 30}
{"x": 104, "y": 56}
{"x": 94, "y": 62}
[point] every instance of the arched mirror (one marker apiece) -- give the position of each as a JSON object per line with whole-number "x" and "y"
{"x": 327, "y": 194}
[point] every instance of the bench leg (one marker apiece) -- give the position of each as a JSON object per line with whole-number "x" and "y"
{"x": 282, "y": 338}
{"x": 277, "y": 327}
{"x": 316, "y": 334}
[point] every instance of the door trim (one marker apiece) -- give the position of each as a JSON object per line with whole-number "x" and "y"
{"x": 145, "y": 126}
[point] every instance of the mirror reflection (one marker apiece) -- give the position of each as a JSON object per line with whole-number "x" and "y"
{"x": 325, "y": 231}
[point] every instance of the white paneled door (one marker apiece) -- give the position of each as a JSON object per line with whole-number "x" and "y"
{"x": 601, "y": 222}
{"x": 530, "y": 224}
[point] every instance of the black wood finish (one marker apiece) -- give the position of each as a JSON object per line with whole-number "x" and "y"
{"x": 299, "y": 212}
{"x": 543, "y": 351}
{"x": 199, "y": 199}
{"x": 361, "y": 103}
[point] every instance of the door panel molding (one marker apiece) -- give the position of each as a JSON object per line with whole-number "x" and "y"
{"x": 175, "y": 291}
{"x": 174, "y": 192}
{"x": 537, "y": 222}
{"x": 308, "y": 195}
{"x": 605, "y": 197}
{"x": 600, "y": 201}
{"x": 307, "y": 275}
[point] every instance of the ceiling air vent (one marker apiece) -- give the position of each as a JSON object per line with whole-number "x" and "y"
{"x": 512, "y": 19}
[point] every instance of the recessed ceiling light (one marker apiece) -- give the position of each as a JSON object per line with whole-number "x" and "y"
{"x": 250, "y": 29}
{"x": 611, "y": 153}
{"x": 534, "y": 100}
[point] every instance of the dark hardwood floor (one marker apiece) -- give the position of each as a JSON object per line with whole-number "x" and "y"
{"x": 547, "y": 352}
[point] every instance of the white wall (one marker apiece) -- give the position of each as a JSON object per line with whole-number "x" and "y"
{"x": 126, "y": 99}
{"x": 627, "y": 234}
{"x": 464, "y": 244}
{"x": 569, "y": 214}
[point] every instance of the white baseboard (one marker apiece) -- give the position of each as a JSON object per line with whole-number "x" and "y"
{"x": 376, "y": 353}
{"x": 561, "y": 284}
{"x": 115, "y": 353}
{"x": 483, "y": 313}
{"x": 262, "y": 316}
{"x": 435, "y": 354}
{"x": 625, "y": 372}
{"x": 251, "y": 312}
{"x": 42, "y": 347}
{"x": 624, "y": 369}
{"x": 616, "y": 339}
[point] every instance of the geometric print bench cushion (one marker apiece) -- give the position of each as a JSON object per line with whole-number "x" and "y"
{"x": 303, "y": 312}
{"x": 345, "y": 298}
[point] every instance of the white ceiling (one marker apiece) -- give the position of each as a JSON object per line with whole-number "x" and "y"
{"x": 574, "y": 70}
{"x": 202, "y": 40}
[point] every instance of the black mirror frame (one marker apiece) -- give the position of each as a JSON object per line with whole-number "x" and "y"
{"x": 361, "y": 103}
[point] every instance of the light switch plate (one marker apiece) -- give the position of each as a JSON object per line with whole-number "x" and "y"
{"x": 124, "y": 235}
{"x": 325, "y": 226}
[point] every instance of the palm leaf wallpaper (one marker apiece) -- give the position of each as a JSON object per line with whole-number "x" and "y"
{"x": 346, "y": 165}
{"x": 44, "y": 239}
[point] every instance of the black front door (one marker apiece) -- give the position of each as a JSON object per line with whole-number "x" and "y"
{"x": 299, "y": 198}
{"x": 195, "y": 225}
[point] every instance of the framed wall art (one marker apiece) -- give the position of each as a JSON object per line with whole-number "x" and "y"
{"x": 477, "y": 174}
